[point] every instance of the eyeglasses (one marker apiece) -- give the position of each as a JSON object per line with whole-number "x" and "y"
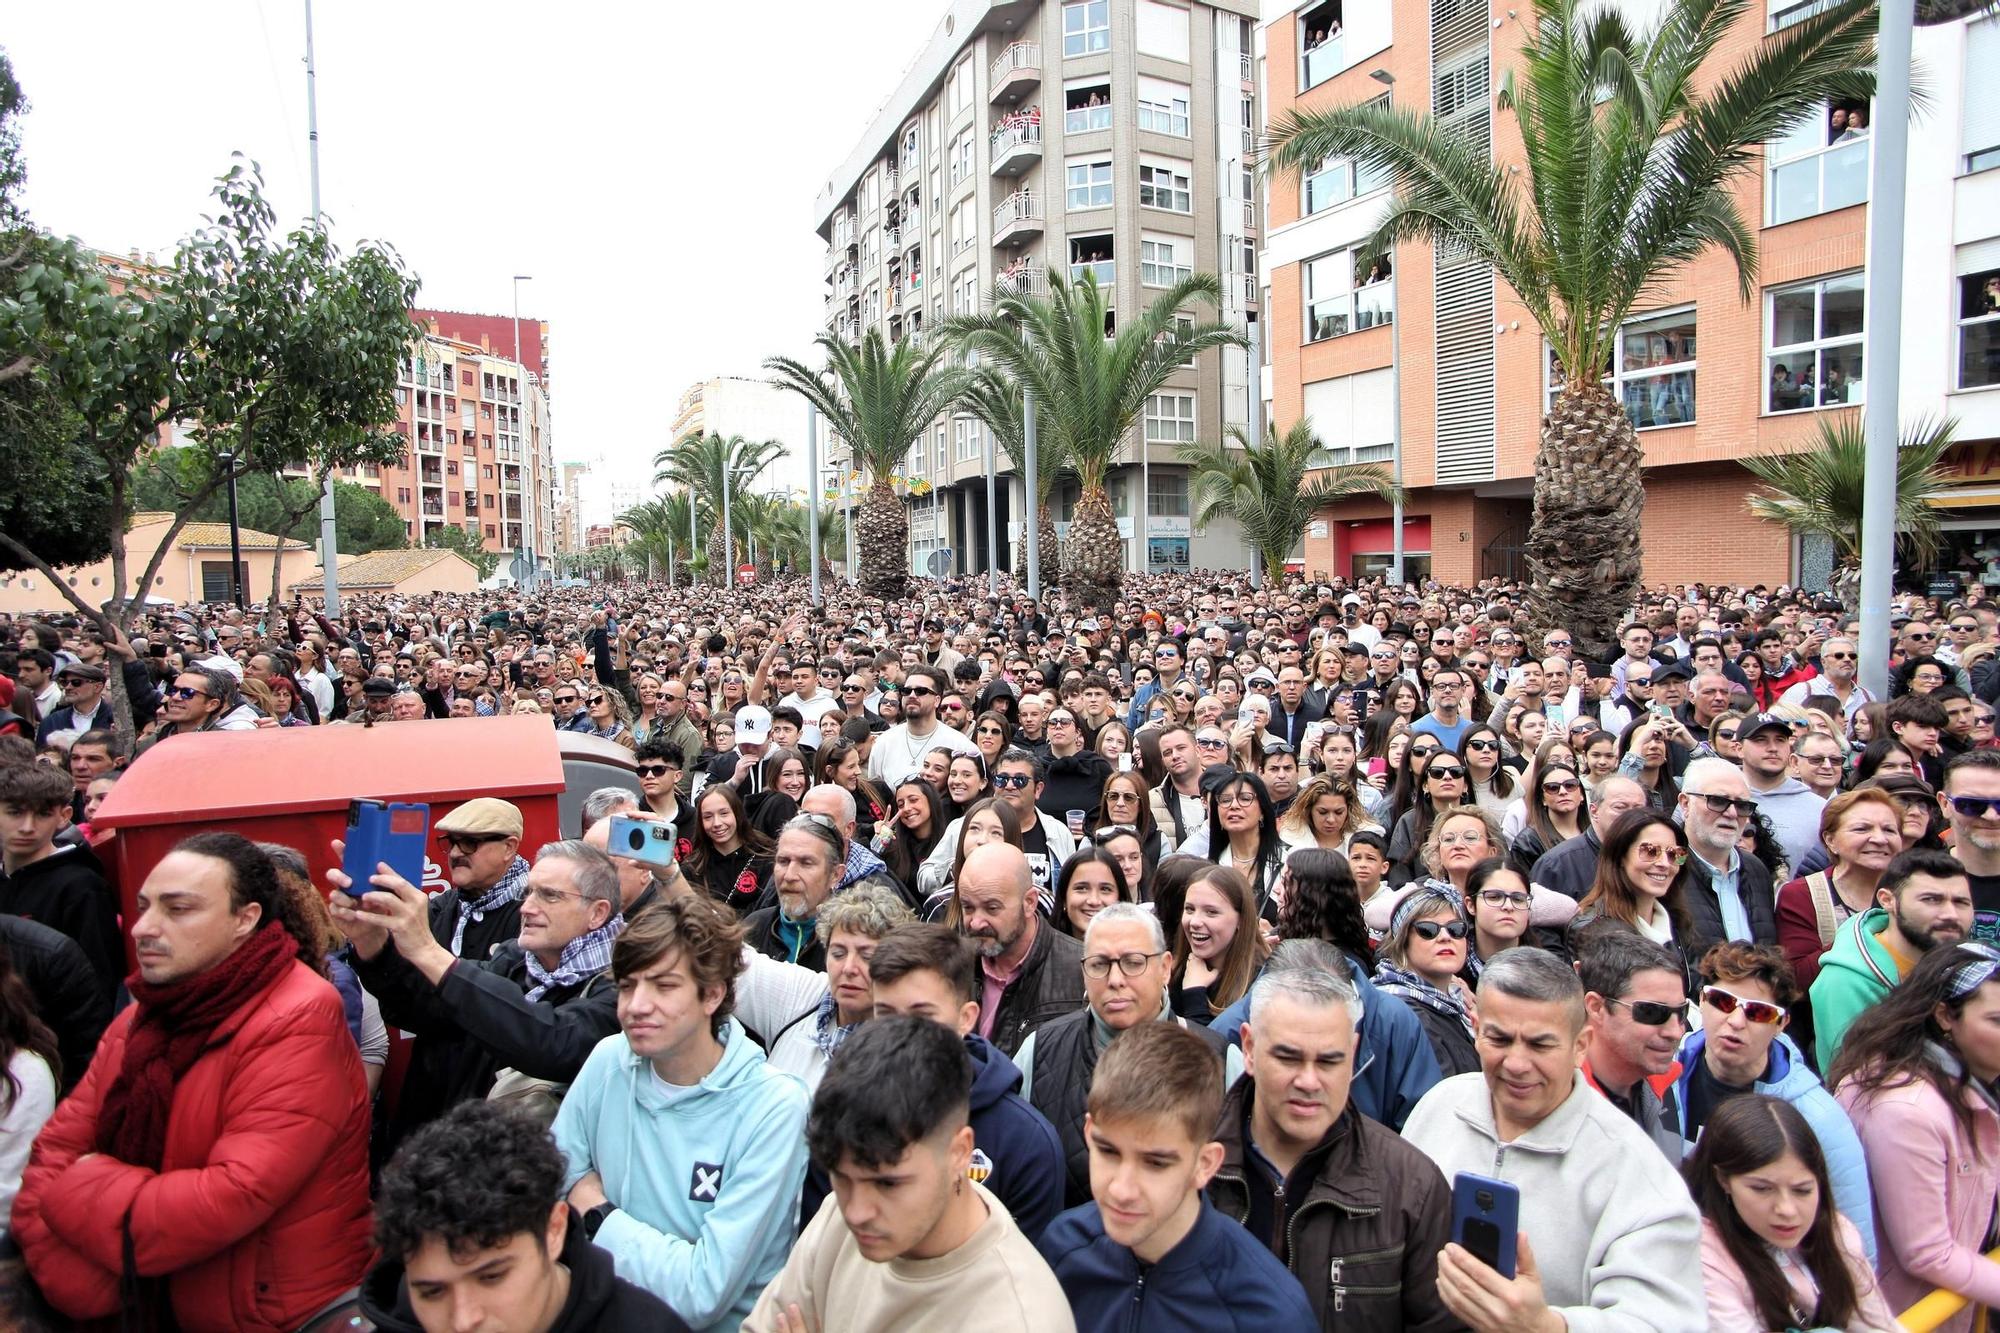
{"x": 1131, "y": 797}
{"x": 173, "y": 691}
{"x": 1561, "y": 786}
{"x": 565, "y": 698}
{"x": 652, "y": 770}
{"x": 919, "y": 691}
{"x": 1241, "y": 796}
{"x": 469, "y": 842}
{"x": 1674, "y": 856}
{"x": 1430, "y": 930}
{"x": 1837, "y": 657}
{"x": 851, "y": 687}
{"x": 70, "y": 682}
{"x": 1925, "y": 637}
{"x": 1653, "y": 1014}
{"x": 1061, "y": 720}
{"x": 1012, "y": 781}
{"x": 552, "y": 897}
{"x": 1965, "y": 629}
{"x": 1556, "y": 643}
{"x": 1820, "y": 760}
{"x": 1097, "y": 966}
{"x": 1722, "y": 805}
{"x": 595, "y": 700}
{"x": 1974, "y": 807}
{"x": 1482, "y": 745}
{"x": 1210, "y": 743}
{"x": 1728, "y": 1002}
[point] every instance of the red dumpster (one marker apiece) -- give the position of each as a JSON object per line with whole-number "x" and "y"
{"x": 292, "y": 785}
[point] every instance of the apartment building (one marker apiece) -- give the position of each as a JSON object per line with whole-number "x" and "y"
{"x": 1106, "y": 136}
{"x": 1422, "y": 353}
{"x": 756, "y": 410}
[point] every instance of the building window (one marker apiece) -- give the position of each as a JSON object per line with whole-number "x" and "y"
{"x": 1652, "y": 370}
{"x": 1813, "y": 334}
{"x": 1163, "y": 107}
{"x": 1161, "y": 30}
{"x": 1167, "y": 494}
{"x": 964, "y": 438}
{"x": 1166, "y": 185}
{"x": 491, "y": 531}
{"x": 1979, "y": 330}
{"x": 961, "y": 157}
{"x": 402, "y": 397}
{"x": 1981, "y": 130}
{"x": 1340, "y": 180}
{"x": 1322, "y": 49}
{"x": 402, "y": 495}
{"x": 1161, "y": 262}
{"x": 1169, "y": 418}
{"x": 961, "y": 86}
{"x": 1086, "y": 27}
{"x": 465, "y": 379}
{"x": 939, "y": 465}
{"x": 1344, "y": 294}
{"x": 1089, "y": 183}
{"x": 964, "y": 225}
{"x": 1087, "y": 107}
{"x": 1820, "y": 164}
{"x": 1093, "y": 254}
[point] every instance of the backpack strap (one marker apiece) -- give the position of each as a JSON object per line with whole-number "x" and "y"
{"x": 1821, "y": 889}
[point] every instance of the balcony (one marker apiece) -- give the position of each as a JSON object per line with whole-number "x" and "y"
{"x": 892, "y": 298}
{"x": 1325, "y": 60}
{"x": 1028, "y": 278}
{"x": 1105, "y": 269}
{"x": 1018, "y": 146}
{"x": 1016, "y": 72}
{"x": 1249, "y": 67}
{"x": 844, "y": 281}
{"x": 1017, "y": 218}
{"x": 891, "y": 179}
{"x": 892, "y": 239}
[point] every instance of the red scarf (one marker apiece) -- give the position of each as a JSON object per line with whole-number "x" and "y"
{"x": 172, "y": 1029}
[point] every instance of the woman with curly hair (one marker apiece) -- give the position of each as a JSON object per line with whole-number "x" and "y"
{"x": 1326, "y": 813}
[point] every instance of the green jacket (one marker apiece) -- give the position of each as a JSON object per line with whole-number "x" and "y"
{"x": 1856, "y": 972}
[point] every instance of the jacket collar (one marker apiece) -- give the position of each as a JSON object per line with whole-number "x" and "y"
{"x": 1335, "y": 1164}
{"x": 1555, "y": 1135}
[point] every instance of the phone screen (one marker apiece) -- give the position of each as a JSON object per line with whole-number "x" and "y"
{"x": 1482, "y": 1240}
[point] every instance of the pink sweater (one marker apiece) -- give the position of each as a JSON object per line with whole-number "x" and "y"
{"x": 1935, "y": 1189}
{"x": 1730, "y": 1305}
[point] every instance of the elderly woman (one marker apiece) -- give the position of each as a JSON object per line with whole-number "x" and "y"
{"x": 1419, "y": 965}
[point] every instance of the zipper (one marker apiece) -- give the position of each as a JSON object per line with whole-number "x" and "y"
{"x": 1138, "y": 1302}
{"x": 1292, "y": 1227}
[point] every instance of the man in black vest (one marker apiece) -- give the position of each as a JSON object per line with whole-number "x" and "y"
{"x": 1125, "y": 970}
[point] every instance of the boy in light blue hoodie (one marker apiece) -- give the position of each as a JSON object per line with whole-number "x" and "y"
{"x": 685, "y": 1152}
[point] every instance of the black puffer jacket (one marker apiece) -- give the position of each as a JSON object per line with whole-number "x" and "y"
{"x": 64, "y": 987}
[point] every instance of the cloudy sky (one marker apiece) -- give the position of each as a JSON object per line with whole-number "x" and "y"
{"x": 652, "y": 165}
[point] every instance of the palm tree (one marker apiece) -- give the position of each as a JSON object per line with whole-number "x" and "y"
{"x": 703, "y": 465}
{"x": 1090, "y": 390}
{"x": 1817, "y": 492}
{"x": 1268, "y": 488}
{"x": 996, "y": 400}
{"x": 653, "y": 539}
{"x": 879, "y": 399}
{"x": 1633, "y": 152}
{"x": 794, "y": 536}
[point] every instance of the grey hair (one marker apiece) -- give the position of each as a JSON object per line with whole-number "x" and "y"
{"x": 1117, "y": 912}
{"x": 596, "y": 877}
{"x": 605, "y": 802}
{"x": 809, "y": 823}
{"x": 1535, "y": 975}
{"x": 1697, "y": 774}
{"x": 222, "y": 686}
{"x": 848, "y": 810}
{"x": 1313, "y": 972}
{"x": 865, "y": 909}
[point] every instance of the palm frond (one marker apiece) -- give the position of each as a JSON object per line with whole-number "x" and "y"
{"x": 1818, "y": 491}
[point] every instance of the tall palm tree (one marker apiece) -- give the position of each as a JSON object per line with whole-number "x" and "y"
{"x": 703, "y": 465}
{"x": 653, "y": 539}
{"x": 794, "y": 536}
{"x": 1632, "y": 153}
{"x": 1817, "y": 493}
{"x": 995, "y": 399}
{"x": 879, "y": 399}
{"x": 1090, "y": 390}
{"x": 1269, "y": 488}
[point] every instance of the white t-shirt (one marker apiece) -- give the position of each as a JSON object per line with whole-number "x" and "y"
{"x": 32, "y": 1107}
{"x": 898, "y": 754}
{"x": 813, "y": 709}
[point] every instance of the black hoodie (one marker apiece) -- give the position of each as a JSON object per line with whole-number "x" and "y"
{"x": 66, "y": 890}
{"x": 599, "y": 1301}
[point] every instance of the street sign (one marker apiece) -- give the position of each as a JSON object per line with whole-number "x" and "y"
{"x": 940, "y": 562}
{"x": 518, "y": 567}
{"x": 746, "y": 574}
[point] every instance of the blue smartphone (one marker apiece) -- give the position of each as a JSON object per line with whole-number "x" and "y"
{"x": 397, "y": 832}
{"x": 1486, "y": 1220}
{"x": 643, "y": 840}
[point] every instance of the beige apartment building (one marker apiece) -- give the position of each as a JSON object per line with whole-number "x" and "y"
{"x": 1113, "y": 136}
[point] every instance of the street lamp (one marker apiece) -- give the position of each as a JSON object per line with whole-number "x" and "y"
{"x": 1388, "y": 80}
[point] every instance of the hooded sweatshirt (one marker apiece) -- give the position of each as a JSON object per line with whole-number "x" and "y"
{"x": 66, "y": 891}
{"x": 1793, "y": 809}
{"x": 1857, "y": 971}
{"x": 598, "y": 1302}
{"x": 705, "y": 1179}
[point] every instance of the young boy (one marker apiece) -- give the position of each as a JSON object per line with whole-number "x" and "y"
{"x": 1149, "y": 1251}
{"x": 910, "y": 1238}
{"x": 474, "y": 1233}
{"x": 61, "y": 887}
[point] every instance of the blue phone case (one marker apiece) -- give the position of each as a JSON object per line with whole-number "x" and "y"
{"x": 397, "y": 832}
{"x": 1486, "y": 1219}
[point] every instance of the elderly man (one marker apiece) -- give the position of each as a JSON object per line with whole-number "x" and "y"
{"x": 481, "y": 911}
{"x": 863, "y": 866}
{"x": 1610, "y": 1238}
{"x": 1031, "y": 973}
{"x": 1820, "y": 761}
{"x": 1728, "y": 894}
{"x": 1125, "y": 969}
{"x": 1838, "y": 663}
{"x": 1329, "y": 1190}
{"x": 1571, "y": 866}
{"x": 517, "y": 1025}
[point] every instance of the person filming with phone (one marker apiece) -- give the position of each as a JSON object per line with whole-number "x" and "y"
{"x": 1609, "y": 1238}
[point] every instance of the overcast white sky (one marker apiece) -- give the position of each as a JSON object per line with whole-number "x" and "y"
{"x": 653, "y": 165}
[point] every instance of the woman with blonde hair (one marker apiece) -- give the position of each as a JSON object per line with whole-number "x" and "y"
{"x": 1326, "y": 813}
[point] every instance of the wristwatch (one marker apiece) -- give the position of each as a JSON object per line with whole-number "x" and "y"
{"x": 594, "y": 1219}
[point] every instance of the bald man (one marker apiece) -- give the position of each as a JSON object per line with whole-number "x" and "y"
{"x": 1032, "y": 973}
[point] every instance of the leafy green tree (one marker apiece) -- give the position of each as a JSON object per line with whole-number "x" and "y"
{"x": 364, "y": 521}
{"x": 452, "y": 537}
{"x": 1090, "y": 390}
{"x": 1635, "y": 146}
{"x": 879, "y": 399}
{"x": 1269, "y": 488}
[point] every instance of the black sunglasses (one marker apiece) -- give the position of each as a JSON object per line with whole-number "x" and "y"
{"x": 1444, "y": 771}
{"x": 1430, "y": 930}
{"x": 652, "y": 770}
{"x": 1653, "y": 1014}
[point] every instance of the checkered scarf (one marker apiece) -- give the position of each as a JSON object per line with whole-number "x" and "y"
{"x": 582, "y": 958}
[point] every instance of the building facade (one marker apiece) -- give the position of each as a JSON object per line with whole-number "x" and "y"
{"x": 1418, "y": 352}
{"x": 1112, "y": 137}
{"x": 756, "y": 410}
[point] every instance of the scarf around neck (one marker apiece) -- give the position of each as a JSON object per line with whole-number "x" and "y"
{"x": 508, "y": 889}
{"x": 581, "y": 959}
{"x": 1407, "y": 985}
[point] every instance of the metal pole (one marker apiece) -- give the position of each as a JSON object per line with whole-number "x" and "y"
{"x": 812, "y": 497}
{"x": 694, "y": 537}
{"x": 728, "y": 537}
{"x": 1395, "y": 437}
{"x": 528, "y": 496}
{"x": 1884, "y": 337}
{"x": 992, "y": 521}
{"x": 1145, "y": 490}
{"x": 1034, "y": 520}
{"x": 329, "y": 553}
{"x": 1255, "y": 392}
{"x": 236, "y": 542}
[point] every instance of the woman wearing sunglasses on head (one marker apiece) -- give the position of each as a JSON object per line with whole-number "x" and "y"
{"x": 1419, "y": 964}
{"x": 1641, "y": 872}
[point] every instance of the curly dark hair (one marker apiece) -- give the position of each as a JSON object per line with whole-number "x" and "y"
{"x": 1324, "y": 903}
{"x": 253, "y": 878}
{"x": 475, "y": 1177}
{"x": 894, "y": 1082}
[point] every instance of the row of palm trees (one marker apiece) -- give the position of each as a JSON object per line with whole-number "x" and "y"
{"x": 679, "y": 534}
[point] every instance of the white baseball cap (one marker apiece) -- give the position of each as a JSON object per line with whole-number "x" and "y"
{"x": 753, "y": 725}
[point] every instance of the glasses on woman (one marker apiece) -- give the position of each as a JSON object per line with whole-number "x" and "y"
{"x": 1482, "y": 744}
{"x": 1451, "y": 772}
{"x": 1502, "y": 898}
{"x": 1674, "y": 856}
{"x": 1241, "y": 796}
{"x": 1097, "y": 966}
{"x": 1121, "y": 798}
{"x": 1728, "y": 1002}
{"x": 1560, "y": 786}
{"x": 1430, "y": 930}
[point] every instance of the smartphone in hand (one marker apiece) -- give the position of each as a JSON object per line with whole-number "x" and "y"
{"x": 1486, "y": 1220}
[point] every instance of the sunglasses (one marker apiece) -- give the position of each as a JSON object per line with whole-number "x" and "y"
{"x": 1925, "y": 637}
{"x": 652, "y": 770}
{"x": 1012, "y": 781}
{"x": 1718, "y": 805}
{"x": 1564, "y": 785}
{"x": 919, "y": 692}
{"x": 1653, "y": 1014}
{"x": 177, "y": 691}
{"x": 595, "y": 700}
{"x": 1974, "y": 807}
{"x": 1482, "y": 745}
{"x": 67, "y": 681}
{"x": 1727, "y": 1002}
{"x": 565, "y": 698}
{"x": 1444, "y": 771}
{"x": 1212, "y": 744}
{"x": 1430, "y": 930}
{"x": 469, "y": 842}
{"x": 1838, "y": 657}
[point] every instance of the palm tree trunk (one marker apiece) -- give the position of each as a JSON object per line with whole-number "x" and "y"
{"x": 1094, "y": 556}
{"x": 882, "y": 542}
{"x": 1583, "y": 541}
{"x": 1049, "y": 550}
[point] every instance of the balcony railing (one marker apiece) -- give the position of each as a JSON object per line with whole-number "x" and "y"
{"x": 892, "y": 238}
{"x": 1021, "y": 206}
{"x": 1325, "y": 60}
{"x": 1025, "y": 280}
{"x": 1105, "y": 269}
{"x": 1017, "y": 67}
{"x": 1249, "y": 67}
{"x": 1015, "y": 147}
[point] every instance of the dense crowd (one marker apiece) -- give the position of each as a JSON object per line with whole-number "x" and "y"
{"x": 1199, "y": 961}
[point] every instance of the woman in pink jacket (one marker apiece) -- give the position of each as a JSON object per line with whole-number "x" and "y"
{"x": 1916, "y": 1072}
{"x": 1775, "y": 1252}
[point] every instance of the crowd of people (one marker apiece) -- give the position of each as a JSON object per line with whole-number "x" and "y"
{"x": 1022, "y": 965}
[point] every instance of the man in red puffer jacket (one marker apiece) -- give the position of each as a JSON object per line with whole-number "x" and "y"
{"x": 214, "y": 1161}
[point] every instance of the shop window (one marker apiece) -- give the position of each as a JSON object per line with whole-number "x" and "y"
{"x": 1813, "y": 335}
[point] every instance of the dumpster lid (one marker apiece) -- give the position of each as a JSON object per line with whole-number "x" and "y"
{"x": 291, "y": 770}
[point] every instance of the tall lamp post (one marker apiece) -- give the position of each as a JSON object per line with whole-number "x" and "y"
{"x": 228, "y": 461}
{"x": 329, "y": 557}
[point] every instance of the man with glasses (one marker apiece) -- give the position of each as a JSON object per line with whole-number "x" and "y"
{"x": 1636, "y": 998}
{"x": 1167, "y": 663}
{"x": 1819, "y": 760}
{"x": 1922, "y": 901}
{"x": 1444, "y": 721}
{"x": 1917, "y": 638}
{"x": 1838, "y": 662}
{"x": 1971, "y": 801}
{"x": 1126, "y": 964}
{"x": 83, "y": 707}
{"x": 1741, "y": 1047}
{"x": 1046, "y": 840}
{"x": 1792, "y": 807}
{"x": 570, "y": 713}
{"x": 1728, "y": 894}
{"x": 677, "y": 731}
{"x": 900, "y": 750}
{"x": 517, "y": 1025}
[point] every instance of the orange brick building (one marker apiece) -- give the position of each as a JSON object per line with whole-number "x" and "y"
{"x": 1699, "y": 369}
